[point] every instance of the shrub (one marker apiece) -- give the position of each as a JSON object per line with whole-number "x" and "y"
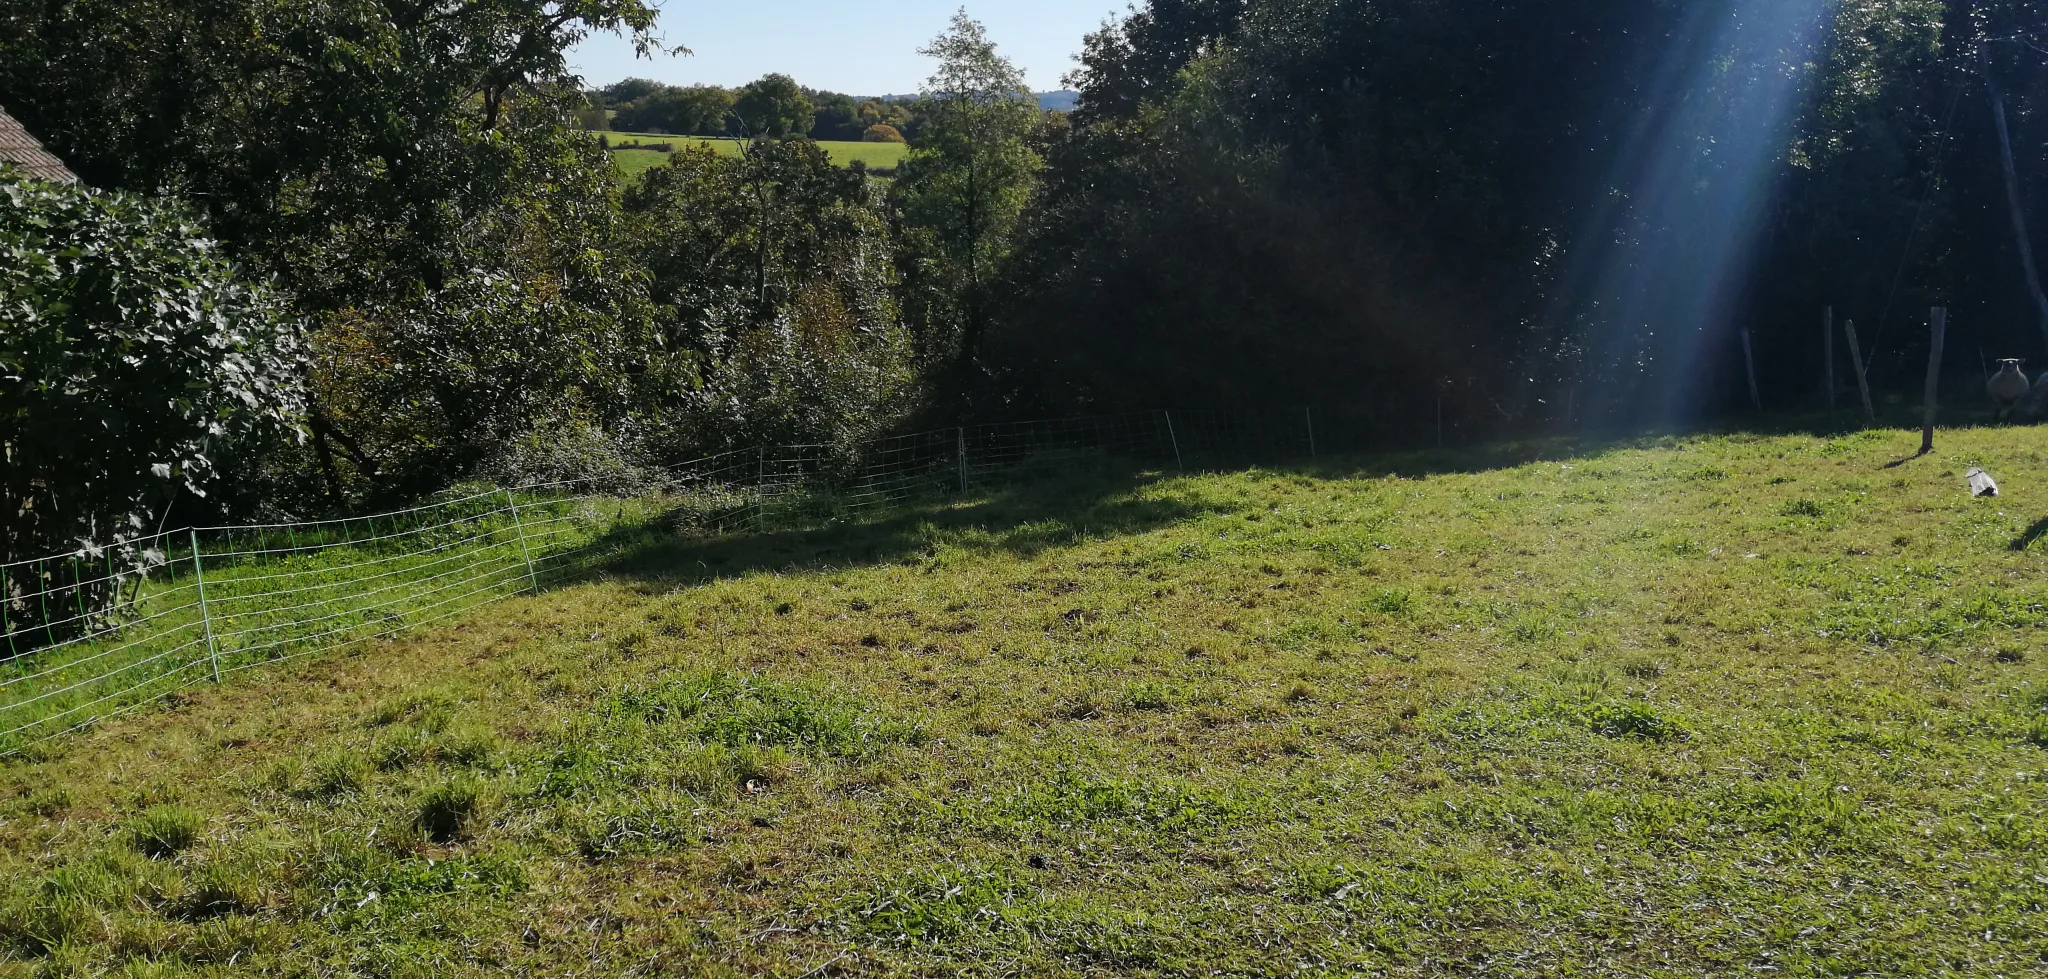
{"x": 882, "y": 132}
{"x": 130, "y": 358}
{"x": 1632, "y": 720}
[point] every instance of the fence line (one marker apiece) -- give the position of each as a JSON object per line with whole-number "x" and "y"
{"x": 96, "y": 633}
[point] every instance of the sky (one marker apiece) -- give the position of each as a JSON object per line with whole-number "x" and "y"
{"x": 848, "y": 46}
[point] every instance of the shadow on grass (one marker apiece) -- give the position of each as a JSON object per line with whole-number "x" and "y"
{"x": 1052, "y": 509}
{"x": 1508, "y": 453}
{"x": 2034, "y": 533}
{"x": 1023, "y": 520}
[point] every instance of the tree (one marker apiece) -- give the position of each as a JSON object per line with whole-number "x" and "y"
{"x": 694, "y": 110}
{"x": 834, "y": 116}
{"x": 881, "y": 132}
{"x": 962, "y": 189}
{"x": 773, "y": 105}
{"x": 365, "y": 156}
{"x": 773, "y": 272}
{"x": 628, "y": 90}
{"x": 131, "y": 360}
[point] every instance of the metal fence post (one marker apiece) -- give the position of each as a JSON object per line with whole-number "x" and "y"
{"x": 205, "y": 612}
{"x": 961, "y": 435}
{"x": 1174, "y": 439}
{"x": 1310, "y": 419}
{"x": 532, "y": 579}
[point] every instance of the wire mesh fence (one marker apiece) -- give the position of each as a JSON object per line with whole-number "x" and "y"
{"x": 104, "y": 630}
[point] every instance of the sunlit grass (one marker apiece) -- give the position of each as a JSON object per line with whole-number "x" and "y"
{"x": 1685, "y": 707}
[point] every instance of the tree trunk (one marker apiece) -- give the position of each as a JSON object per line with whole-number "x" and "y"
{"x": 2012, "y": 196}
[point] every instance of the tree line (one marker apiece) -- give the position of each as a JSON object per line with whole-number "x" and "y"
{"x": 350, "y": 255}
{"x": 772, "y": 105}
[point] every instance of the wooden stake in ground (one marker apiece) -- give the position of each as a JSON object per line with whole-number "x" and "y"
{"x": 1937, "y": 329}
{"x": 1749, "y": 360}
{"x": 1827, "y": 343}
{"x": 1862, "y": 382}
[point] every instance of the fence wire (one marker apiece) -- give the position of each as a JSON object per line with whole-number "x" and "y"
{"x": 104, "y": 630}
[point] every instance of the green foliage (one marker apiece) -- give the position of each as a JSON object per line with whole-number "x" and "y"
{"x": 132, "y": 360}
{"x": 774, "y": 276}
{"x": 415, "y": 189}
{"x": 703, "y": 110}
{"x": 773, "y": 105}
{"x": 1339, "y": 202}
{"x": 546, "y": 325}
{"x": 961, "y": 192}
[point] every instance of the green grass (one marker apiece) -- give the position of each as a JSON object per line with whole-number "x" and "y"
{"x": 633, "y": 162}
{"x": 285, "y": 593}
{"x": 1685, "y": 707}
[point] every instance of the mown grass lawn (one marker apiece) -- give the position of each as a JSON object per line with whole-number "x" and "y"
{"x": 1685, "y": 707}
{"x": 632, "y": 162}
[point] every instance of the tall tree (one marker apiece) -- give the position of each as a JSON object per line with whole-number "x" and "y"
{"x": 773, "y": 273}
{"x": 962, "y": 189}
{"x": 773, "y": 105}
{"x": 693, "y": 110}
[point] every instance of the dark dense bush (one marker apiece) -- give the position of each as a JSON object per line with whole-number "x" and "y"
{"x": 131, "y": 361}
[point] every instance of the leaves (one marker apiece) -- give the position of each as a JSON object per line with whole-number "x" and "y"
{"x": 130, "y": 357}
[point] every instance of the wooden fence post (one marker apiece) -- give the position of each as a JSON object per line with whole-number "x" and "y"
{"x": 1937, "y": 328}
{"x": 1756, "y": 398}
{"x": 1862, "y": 380}
{"x": 1827, "y": 333}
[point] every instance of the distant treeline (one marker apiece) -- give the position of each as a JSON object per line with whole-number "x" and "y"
{"x": 774, "y": 105}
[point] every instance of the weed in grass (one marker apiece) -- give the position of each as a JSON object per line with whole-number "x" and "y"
{"x": 1643, "y": 668}
{"x": 1803, "y": 508}
{"x": 935, "y": 906}
{"x": 50, "y": 800}
{"x": 165, "y": 831}
{"x": 1151, "y": 695}
{"x": 1632, "y": 719}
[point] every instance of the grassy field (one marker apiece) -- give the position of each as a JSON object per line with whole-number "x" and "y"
{"x": 634, "y": 162}
{"x": 1683, "y": 707}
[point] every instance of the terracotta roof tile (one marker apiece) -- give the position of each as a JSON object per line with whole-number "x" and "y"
{"x": 18, "y": 147}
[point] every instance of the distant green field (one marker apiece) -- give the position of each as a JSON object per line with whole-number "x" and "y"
{"x": 633, "y": 162}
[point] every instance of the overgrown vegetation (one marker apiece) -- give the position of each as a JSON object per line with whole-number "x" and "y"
{"x": 1678, "y": 707}
{"x": 134, "y": 364}
{"x": 1464, "y": 211}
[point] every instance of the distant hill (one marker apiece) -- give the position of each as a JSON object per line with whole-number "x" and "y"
{"x": 1062, "y": 101}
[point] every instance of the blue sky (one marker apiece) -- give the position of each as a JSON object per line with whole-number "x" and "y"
{"x": 860, "y": 48}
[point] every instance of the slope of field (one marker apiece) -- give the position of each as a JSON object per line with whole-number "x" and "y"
{"x": 633, "y": 162}
{"x": 1682, "y": 708}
